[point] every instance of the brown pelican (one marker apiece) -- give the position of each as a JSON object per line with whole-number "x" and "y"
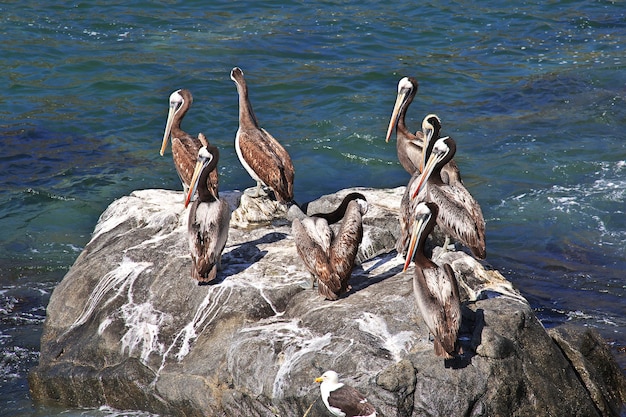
{"x": 209, "y": 218}
{"x": 460, "y": 216}
{"x": 184, "y": 146}
{"x": 330, "y": 258}
{"x": 407, "y": 208}
{"x": 435, "y": 288}
{"x": 431, "y": 126}
{"x": 267, "y": 162}
{"x": 408, "y": 145}
{"x": 343, "y": 400}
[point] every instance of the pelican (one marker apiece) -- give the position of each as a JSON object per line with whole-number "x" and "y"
{"x": 435, "y": 288}
{"x": 330, "y": 258}
{"x": 407, "y": 207}
{"x": 267, "y": 162}
{"x": 343, "y": 400}
{"x": 450, "y": 174}
{"x": 460, "y": 216}
{"x": 184, "y": 146}
{"x": 209, "y": 218}
{"x": 410, "y": 146}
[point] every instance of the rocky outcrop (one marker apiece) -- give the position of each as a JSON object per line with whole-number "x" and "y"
{"x": 130, "y": 328}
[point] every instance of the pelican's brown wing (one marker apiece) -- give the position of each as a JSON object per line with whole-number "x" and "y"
{"x": 460, "y": 216}
{"x": 451, "y": 314}
{"x": 437, "y": 296}
{"x": 450, "y": 174}
{"x": 409, "y": 149}
{"x": 316, "y": 261}
{"x": 207, "y": 232}
{"x": 185, "y": 155}
{"x": 287, "y": 164}
{"x": 346, "y": 245}
{"x": 269, "y": 160}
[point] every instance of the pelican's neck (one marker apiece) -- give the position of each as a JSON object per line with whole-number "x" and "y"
{"x": 204, "y": 194}
{"x": 176, "y": 131}
{"x": 435, "y": 176}
{"x": 401, "y": 125}
{"x": 339, "y": 212}
{"x": 246, "y": 114}
{"x": 420, "y": 257}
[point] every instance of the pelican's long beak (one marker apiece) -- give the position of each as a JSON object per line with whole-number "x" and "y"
{"x": 168, "y": 127}
{"x": 428, "y": 135}
{"x": 193, "y": 185}
{"x": 394, "y": 114}
{"x": 427, "y": 172}
{"x": 418, "y": 226}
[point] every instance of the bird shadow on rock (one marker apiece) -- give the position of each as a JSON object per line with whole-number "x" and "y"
{"x": 362, "y": 278}
{"x": 470, "y": 334}
{"x": 244, "y": 255}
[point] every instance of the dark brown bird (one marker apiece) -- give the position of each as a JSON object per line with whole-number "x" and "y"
{"x": 410, "y": 146}
{"x": 460, "y": 216}
{"x": 331, "y": 258}
{"x": 267, "y": 162}
{"x": 184, "y": 146}
{"x": 209, "y": 219}
{"x": 343, "y": 400}
{"x": 435, "y": 288}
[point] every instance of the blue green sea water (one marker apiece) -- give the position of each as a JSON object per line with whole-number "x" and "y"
{"x": 533, "y": 92}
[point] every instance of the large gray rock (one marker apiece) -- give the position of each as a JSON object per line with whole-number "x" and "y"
{"x": 130, "y": 328}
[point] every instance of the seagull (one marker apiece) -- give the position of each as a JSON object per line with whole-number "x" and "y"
{"x": 342, "y": 400}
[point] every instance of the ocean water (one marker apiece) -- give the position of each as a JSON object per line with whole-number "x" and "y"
{"x": 534, "y": 94}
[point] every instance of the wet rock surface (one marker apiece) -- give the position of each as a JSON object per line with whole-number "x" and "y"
{"x": 129, "y": 327}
